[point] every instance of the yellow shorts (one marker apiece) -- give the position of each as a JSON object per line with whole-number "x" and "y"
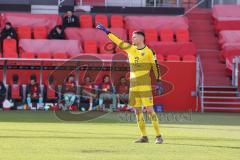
{"x": 140, "y": 98}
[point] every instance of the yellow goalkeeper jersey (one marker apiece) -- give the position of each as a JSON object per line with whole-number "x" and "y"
{"x": 141, "y": 62}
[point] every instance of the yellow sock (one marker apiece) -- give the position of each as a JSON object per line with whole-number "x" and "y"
{"x": 153, "y": 117}
{"x": 141, "y": 123}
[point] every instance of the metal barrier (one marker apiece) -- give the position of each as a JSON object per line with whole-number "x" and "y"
{"x": 139, "y": 3}
{"x": 199, "y": 84}
{"x": 235, "y": 71}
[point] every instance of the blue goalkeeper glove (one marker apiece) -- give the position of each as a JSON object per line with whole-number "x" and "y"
{"x": 159, "y": 87}
{"x": 101, "y": 27}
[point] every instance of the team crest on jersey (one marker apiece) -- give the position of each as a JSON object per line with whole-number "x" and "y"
{"x": 142, "y": 53}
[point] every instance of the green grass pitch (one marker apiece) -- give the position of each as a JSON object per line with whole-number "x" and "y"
{"x": 26, "y": 135}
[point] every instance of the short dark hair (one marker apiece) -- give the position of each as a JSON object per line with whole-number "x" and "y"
{"x": 33, "y": 77}
{"x": 139, "y": 33}
{"x": 59, "y": 26}
{"x": 15, "y": 78}
{"x": 8, "y": 23}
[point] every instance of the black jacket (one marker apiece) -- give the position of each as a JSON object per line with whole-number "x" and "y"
{"x": 71, "y": 21}
{"x": 2, "y": 91}
{"x": 8, "y": 32}
{"x": 55, "y": 35}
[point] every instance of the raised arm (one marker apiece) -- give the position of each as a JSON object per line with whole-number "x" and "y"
{"x": 119, "y": 42}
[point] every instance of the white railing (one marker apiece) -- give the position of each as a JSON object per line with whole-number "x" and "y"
{"x": 135, "y": 3}
{"x": 199, "y": 85}
{"x": 235, "y": 71}
{"x": 213, "y": 2}
{"x": 60, "y": 2}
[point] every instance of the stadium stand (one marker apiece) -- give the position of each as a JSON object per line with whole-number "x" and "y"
{"x": 226, "y": 17}
{"x": 40, "y": 32}
{"x": 86, "y": 21}
{"x": 69, "y": 47}
{"x": 166, "y": 35}
{"x": 173, "y": 58}
{"x": 90, "y": 46}
{"x": 101, "y": 18}
{"x": 172, "y": 48}
{"x": 24, "y": 32}
{"x": 157, "y": 22}
{"x": 229, "y": 36}
{"x": 182, "y": 35}
{"x": 151, "y": 35}
{"x": 31, "y": 20}
{"x": 189, "y": 58}
{"x": 10, "y": 48}
{"x": 116, "y": 21}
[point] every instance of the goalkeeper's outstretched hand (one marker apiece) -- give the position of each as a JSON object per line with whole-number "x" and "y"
{"x": 159, "y": 87}
{"x": 101, "y": 27}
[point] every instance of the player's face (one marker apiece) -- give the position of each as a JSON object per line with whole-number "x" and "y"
{"x": 137, "y": 39}
{"x": 87, "y": 79}
{"x": 7, "y": 26}
{"x": 69, "y": 13}
{"x": 106, "y": 79}
{"x": 123, "y": 80}
{"x": 71, "y": 79}
{"x": 32, "y": 81}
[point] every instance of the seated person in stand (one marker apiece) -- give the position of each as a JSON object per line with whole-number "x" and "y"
{"x": 122, "y": 91}
{"x": 2, "y": 94}
{"x": 8, "y": 32}
{"x": 88, "y": 91}
{"x": 33, "y": 92}
{"x": 107, "y": 93}
{"x": 57, "y": 33}
{"x": 70, "y": 20}
{"x": 69, "y": 91}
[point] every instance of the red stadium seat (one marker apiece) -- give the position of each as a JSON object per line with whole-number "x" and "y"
{"x": 27, "y": 55}
{"x": 173, "y": 58}
{"x": 60, "y": 55}
{"x": 50, "y": 46}
{"x": 118, "y": 50}
{"x": 86, "y": 21}
{"x": 166, "y": 35}
{"x": 151, "y": 35}
{"x": 51, "y": 93}
{"x": 116, "y": 21}
{"x": 44, "y": 55}
{"x": 156, "y": 22}
{"x": 31, "y": 20}
{"x": 10, "y": 48}
{"x": 40, "y": 33}
{"x": 90, "y": 46}
{"x": 106, "y": 48}
{"x": 15, "y": 91}
{"x": 172, "y": 48}
{"x": 182, "y": 35}
{"x": 189, "y": 58}
{"x": 160, "y": 57}
{"x": 101, "y": 18}
{"x": 24, "y": 32}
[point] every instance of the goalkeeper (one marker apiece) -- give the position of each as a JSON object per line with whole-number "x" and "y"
{"x": 142, "y": 59}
